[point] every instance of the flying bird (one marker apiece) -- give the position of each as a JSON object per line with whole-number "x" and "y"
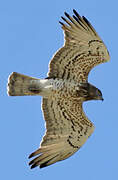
{"x": 64, "y": 91}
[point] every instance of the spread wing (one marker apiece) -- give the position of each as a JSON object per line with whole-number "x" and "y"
{"x": 67, "y": 129}
{"x": 83, "y": 49}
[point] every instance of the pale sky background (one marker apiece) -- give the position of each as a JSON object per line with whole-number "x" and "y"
{"x": 29, "y": 36}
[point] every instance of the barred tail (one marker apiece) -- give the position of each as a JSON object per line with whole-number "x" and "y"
{"x": 21, "y": 85}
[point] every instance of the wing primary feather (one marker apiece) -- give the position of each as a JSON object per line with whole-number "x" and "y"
{"x": 80, "y": 22}
{"x": 75, "y": 12}
{"x": 47, "y": 163}
{"x": 89, "y": 25}
{"x": 38, "y": 151}
{"x": 76, "y": 18}
{"x": 61, "y": 23}
{"x": 74, "y": 22}
{"x": 69, "y": 17}
{"x": 31, "y": 155}
{"x": 31, "y": 162}
{"x": 68, "y": 22}
{"x": 86, "y": 20}
{"x": 64, "y": 26}
{"x": 33, "y": 166}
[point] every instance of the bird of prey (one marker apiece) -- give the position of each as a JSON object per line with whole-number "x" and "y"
{"x": 64, "y": 91}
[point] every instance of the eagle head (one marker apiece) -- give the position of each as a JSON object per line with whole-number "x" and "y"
{"x": 89, "y": 92}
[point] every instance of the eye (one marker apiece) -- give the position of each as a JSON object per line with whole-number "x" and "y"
{"x": 82, "y": 93}
{"x": 85, "y": 93}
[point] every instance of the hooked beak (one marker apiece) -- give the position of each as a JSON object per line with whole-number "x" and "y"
{"x": 100, "y": 98}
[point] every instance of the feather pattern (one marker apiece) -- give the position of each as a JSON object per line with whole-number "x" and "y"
{"x": 64, "y": 91}
{"x": 83, "y": 49}
{"x": 67, "y": 129}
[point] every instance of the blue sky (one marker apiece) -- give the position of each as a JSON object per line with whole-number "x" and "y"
{"x": 29, "y": 36}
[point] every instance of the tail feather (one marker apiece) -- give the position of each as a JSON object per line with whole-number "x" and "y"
{"x": 22, "y": 85}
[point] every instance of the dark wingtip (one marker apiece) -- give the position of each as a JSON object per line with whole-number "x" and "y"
{"x": 66, "y": 14}
{"x": 33, "y": 166}
{"x": 75, "y": 12}
{"x": 75, "y": 18}
{"x": 31, "y": 155}
{"x": 63, "y": 18}
{"x": 31, "y": 162}
{"x": 61, "y": 23}
{"x": 86, "y": 20}
{"x": 43, "y": 165}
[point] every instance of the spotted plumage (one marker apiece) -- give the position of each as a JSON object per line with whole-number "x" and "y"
{"x": 64, "y": 91}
